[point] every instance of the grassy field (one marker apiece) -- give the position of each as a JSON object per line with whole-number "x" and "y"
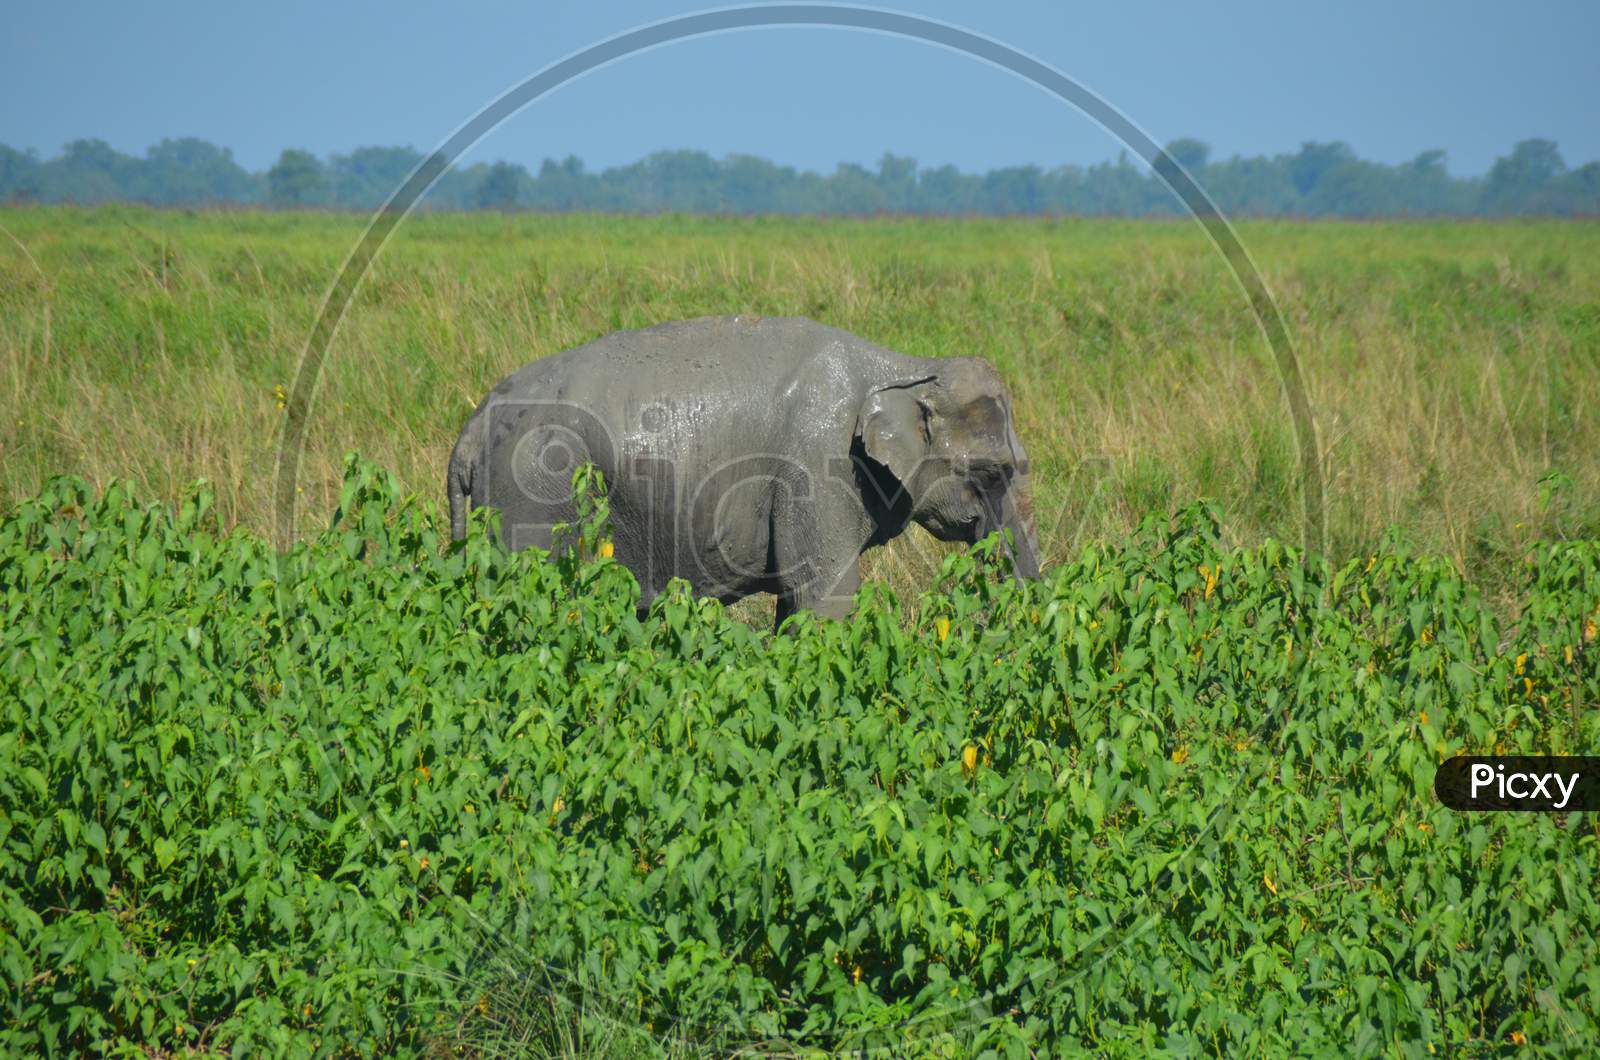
{"x": 1451, "y": 367}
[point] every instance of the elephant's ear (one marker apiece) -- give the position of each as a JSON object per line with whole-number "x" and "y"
{"x": 894, "y": 429}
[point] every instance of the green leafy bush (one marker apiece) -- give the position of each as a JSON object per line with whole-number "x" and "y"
{"x": 358, "y": 795}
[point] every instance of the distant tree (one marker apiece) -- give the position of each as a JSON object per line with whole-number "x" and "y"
{"x": 88, "y": 171}
{"x": 1428, "y": 163}
{"x": 1355, "y": 189}
{"x": 1519, "y": 183}
{"x": 754, "y": 185}
{"x": 19, "y": 175}
{"x": 1315, "y": 161}
{"x": 1424, "y": 186}
{"x": 1189, "y": 153}
{"x": 499, "y": 187}
{"x": 947, "y": 190}
{"x": 1581, "y": 188}
{"x": 296, "y": 180}
{"x": 806, "y": 194}
{"x": 1116, "y": 189}
{"x": 367, "y": 176}
{"x": 897, "y": 177}
{"x": 682, "y": 180}
{"x": 191, "y": 170}
{"x": 852, "y": 189}
{"x": 1014, "y": 190}
{"x": 561, "y": 185}
{"x": 1252, "y": 187}
{"x": 1065, "y": 190}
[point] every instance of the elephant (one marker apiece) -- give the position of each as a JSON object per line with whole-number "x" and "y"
{"x": 750, "y": 454}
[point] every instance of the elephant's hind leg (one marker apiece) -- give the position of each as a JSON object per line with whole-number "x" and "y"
{"x": 825, "y": 597}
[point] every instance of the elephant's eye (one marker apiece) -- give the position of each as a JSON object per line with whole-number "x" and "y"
{"x": 990, "y": 477}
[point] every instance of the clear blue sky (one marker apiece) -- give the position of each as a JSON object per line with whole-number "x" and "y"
{"x": 1249, "y": 77}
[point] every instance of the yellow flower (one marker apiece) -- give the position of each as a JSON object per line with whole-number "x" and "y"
{"x": 1522, "y": 662}
{"x": 1423, "y": 717}
{"x": 1181, "y": 753}
{"x": 969, "y": 759}
{"x": 1527, "y": 686}
{"x": 1518, "y": 1038}
{"x": 942, "y": 625}
{"x": 1427, "y": 634}
{"x": 1211, "y": 578}
{"x": 856, "y": 974}
{"x": 404, "y": 843}
{"x": 423, "y": 861}
{"x": 1270, "y": 886}
{"x": 1590, "y": 630}
{"x": 607, "y": 550}
{"x": 1568, "y": 654}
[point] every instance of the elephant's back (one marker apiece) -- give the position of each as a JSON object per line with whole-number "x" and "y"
{"x": 704, "y": 355}
{"x": 695, "y": 392}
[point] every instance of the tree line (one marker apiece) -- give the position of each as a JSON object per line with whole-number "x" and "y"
{"x": 1318, "y": 180}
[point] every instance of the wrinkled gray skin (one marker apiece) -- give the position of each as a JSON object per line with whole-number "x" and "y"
{"x": 750, "y": 454}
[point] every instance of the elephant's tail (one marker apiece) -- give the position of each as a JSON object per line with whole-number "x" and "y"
{"x": 458, "y": 484}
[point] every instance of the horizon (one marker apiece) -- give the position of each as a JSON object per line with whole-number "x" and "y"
{"x": 871, "y": 164}
{"x": 1319, "y": 180}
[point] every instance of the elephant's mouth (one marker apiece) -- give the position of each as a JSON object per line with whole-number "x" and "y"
{"x": 960, "y": 531}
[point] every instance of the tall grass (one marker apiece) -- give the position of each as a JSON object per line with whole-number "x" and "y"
{"x": 1451, "y": 366}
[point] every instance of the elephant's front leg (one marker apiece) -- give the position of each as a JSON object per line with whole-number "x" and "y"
{"x": 817, "y": 538}
{"x": 827, "y": 595}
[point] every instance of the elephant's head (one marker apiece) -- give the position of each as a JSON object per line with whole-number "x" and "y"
{"x": 942, "y": 452}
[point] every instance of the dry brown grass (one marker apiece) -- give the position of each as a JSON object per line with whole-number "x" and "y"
{"x": 1450, "y": 366}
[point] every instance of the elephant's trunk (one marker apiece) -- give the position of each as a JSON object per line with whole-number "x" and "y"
{"x": 1016, "y": 515}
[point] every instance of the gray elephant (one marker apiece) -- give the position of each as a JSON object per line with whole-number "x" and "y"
{"x": 750, "y": 455}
